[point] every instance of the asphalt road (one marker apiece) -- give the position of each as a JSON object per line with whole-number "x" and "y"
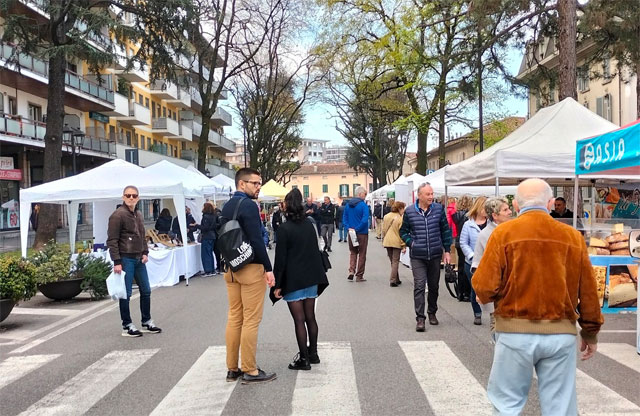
{"x": 69, "y": 358}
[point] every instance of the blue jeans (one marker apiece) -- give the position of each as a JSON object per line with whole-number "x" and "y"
{"x": 342, "y": 234}
{"x": 206, "y": 253}
{"x": 477, "y": 311}
{"x": 134, "y": 268}
{"x": 516, "y": 355}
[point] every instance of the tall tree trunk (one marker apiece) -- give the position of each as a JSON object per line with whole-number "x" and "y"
{"x": 638, "y": 90}
{"x": 567, "y": 22}
{"x": 48, "y": 216}
{"x": 442, "y": 156}
{"x": 421, "y": 154}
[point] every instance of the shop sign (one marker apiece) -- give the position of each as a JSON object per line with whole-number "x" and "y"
{"x": 98, "y": 117}
{"x": 11, "y": 174}
{"x": 6, "y": 162}
{"x": 615, "y": 150}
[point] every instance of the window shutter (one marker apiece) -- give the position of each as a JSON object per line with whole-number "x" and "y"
{"x": 599, "y": 106}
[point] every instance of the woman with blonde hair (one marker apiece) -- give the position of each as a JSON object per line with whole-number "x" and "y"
{"x": 468, "y": 237}
{"x": 463, "y": 205}
{"x": 391, "y": 239}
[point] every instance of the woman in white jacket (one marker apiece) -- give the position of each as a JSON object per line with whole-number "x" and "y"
{"x": 468, "y": 237}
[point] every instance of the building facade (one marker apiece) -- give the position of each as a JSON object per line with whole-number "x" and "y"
{"x": 337, "y": 180}
{"x": 602, "y": 88}
{"x": 336, "y": 154}
{"x": 119, "y": 114}
{"x": 312, "y": 151}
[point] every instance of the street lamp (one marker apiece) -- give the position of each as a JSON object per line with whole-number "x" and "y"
{"x": 70, "y": 135}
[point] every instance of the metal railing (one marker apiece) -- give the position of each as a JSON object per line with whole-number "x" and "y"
{"x": 35, "y": 130}
{"x": 40, "y": 67}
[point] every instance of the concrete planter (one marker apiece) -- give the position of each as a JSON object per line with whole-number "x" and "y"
{"x": 61, "y": 290}
{"x": 6, "y": 306}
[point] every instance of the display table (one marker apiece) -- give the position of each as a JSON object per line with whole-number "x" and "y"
{"x": 165, "y": 266}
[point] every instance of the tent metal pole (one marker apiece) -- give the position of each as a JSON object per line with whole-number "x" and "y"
{"x": 576, "y": 188}
{"x": 497, "y": 193}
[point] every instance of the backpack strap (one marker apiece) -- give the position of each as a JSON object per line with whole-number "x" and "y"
{"x": 235, "y": 212}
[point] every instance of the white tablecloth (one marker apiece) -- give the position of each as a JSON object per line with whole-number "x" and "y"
{"x": 166, "y": 266}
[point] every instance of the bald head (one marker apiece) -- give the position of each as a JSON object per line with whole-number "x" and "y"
{"x": 533, "y": 193}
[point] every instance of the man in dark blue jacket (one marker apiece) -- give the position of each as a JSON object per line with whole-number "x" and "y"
{"x": 426, "y": 232}
{"x": 356, "y": 219}
{"x": 246, "y": 287}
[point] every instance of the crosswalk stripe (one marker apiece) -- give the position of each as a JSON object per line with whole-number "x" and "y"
{"x": 14, "y": 368}
{"x": 44, "y": 311}
{"x": 594, "y": 398}
{"x": 203, "y": 390}
{"x": 79, "y": 394}
{"x": 625, "y": 354}
{"x": 330, "y": 387}
{"x": 443, "y": 377}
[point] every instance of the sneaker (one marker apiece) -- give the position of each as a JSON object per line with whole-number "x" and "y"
{"x": 299, "y": 363}
{"x": 477, "y": 320}
{"x": 151, "y": 328}
{"x": 131, "y": 331}
{"x": 234, "y": 375}
{"x": 350, "y": 277}
{"x": 393, "y": 284}
{"x": 261, "y": 377}
{"x": 329, "y": 249}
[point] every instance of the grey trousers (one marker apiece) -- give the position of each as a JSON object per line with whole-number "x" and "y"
{"x": 425, "y": 273}
{"x": 326, "y": 232}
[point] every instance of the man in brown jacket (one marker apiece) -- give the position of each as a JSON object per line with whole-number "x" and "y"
{"x": 128, "y": 250}
{"x": 538, "y": 273}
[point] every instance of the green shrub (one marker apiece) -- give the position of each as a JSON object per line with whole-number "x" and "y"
{"x": 94, "y": 272}
{"x": 53, "y": 263}
{"x": 17, "y": 279}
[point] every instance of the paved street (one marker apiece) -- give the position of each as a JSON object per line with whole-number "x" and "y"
{"x": 69, "y": 358}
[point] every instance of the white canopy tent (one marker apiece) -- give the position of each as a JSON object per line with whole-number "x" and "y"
{"x": 220, "y": 189}
{"x": 543, "y": 147}
{"x": 437, "y": 181}
{"x": 102, "y": 184}
{"x": 195, "y": 184}
{"x": 228, "y": 183}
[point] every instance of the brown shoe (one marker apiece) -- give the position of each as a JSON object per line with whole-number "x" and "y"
{"x": 361, "y": 280}
{"x": 432, "y": 319}
{"x": 420, "y": 327}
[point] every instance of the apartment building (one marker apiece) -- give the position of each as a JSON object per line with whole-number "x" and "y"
{"x": 312, "y": 151}
{"x": 336, "y": 154}
{"x": 119, "y": 114}
{"x": 337, "y": 180}
{"x": 602, "y": 88}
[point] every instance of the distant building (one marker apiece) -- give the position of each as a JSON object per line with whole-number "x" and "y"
{"x": 237, "y": 158}
{"x": 337, "y": 180}
{"x": 312, "y": 151}
{"x": 336, "y": 154}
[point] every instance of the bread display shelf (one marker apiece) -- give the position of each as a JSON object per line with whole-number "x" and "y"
{"x": 613, "y": 261}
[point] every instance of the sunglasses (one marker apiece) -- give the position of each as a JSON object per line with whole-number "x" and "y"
{"x": 134, "y": 196}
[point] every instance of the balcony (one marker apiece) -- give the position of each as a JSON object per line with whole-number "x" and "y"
{"x": 196, "y": 100}
{"x": 215, "y": 167}
{"x": 121, "y": 106}
{"x": 164, "y": 90}
{"x": 134, "y": 74}
{"x": 182, "y": 100}
{"x": 188, "y": 154}
{"x": 221, "y": 117}
{"x": 220, "y": 142}
{"x": 165, "y": 126}
{"x": 29, "y": 132}
{"x": 148, "y": 158}
{"x": 186, "y": 131}
{"x": 138, "y": 115}
{"x": 30, "y": 74}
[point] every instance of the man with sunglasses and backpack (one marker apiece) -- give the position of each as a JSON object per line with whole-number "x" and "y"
{"x": 246, "y": 286}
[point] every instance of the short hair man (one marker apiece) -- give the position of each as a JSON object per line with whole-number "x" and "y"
{"x": 560, "y": 209}
{"x": 246, "y": 287}
{"x": 342, "y": 230}
{"x": 327, "y": 215}
{"x": 537, "y": 272}
{"x": 128, "y": 250}
{"x": 356, "y": 220}
{"x": 426, "y": 232}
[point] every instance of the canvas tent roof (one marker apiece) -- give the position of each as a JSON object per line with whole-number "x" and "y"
{"x": 194, "y": 185}
{"x": 220, "y": 188}
{"x": 103, "y": 183}
{"x": 274, "y": 189}
{"x": 228, "y": 183}
{"x": 543, "y": 147}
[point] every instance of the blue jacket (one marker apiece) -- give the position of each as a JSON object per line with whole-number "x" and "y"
{"x": 468, "y": 238}
{"x": 356, "y": 216}
{"x": 426, "y": 233}
{"x": 249, "y": 219}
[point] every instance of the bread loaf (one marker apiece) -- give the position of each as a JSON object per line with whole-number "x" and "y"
{"x": 623, "y": 295}
{"x": 633, "y": 271}
{"x": 597, "y": 242}
{"x": 617, "y": 237}
{"x": 623, "y": 252}
{"x": 619, "y": 246}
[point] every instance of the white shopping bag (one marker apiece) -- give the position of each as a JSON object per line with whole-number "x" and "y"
{"x": 354, "y": 237}
{"x": 116, "y": 287}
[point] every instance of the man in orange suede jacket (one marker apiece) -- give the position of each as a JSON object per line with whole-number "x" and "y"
{"x": 537, "y": 272}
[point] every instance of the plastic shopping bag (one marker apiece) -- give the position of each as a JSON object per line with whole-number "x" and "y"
{"x": 116, "y": 287}
{"x": 354, "y": 237}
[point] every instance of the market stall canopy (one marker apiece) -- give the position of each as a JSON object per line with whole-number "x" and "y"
{"x": 103, "y": 183}
{"x": 543, "y": 147}
{"x": 436, "y": 180}
{"x": 228, "y": 183}
{"x": 273, "y": 189}
{"x": 615, "y": 153}
{"x": 220, "y": 188}
{"x": 416, "y": 178}
{"x": 195, "y": 185}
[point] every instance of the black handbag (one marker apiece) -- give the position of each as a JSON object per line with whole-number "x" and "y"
{"x": 235, "y": 248}
{"x": 451, "y": 278}
{"x": 326, "y": 263}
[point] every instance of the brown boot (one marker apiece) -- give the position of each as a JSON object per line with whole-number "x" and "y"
{"x": 432, "y": 319}
{"x": 420, "y": 327}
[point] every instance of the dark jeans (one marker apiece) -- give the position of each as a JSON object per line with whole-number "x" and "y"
{"x": 474, "y": 304}
{"x": 342, "y": 234}
{"x": 464, "y": 288}
{"x": 216, "y": 252}
{"x": 425, "y": 272}
{"x": 134, "y": 268}
{"x": 206, "y": 253}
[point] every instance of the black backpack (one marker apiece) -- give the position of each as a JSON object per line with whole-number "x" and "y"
{"x": 235, "y": 248}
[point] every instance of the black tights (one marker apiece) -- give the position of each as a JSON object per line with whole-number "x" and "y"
{"x": 304, "y": 318}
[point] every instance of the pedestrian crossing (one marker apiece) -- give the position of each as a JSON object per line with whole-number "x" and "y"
{"x": 331, "y": 387}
